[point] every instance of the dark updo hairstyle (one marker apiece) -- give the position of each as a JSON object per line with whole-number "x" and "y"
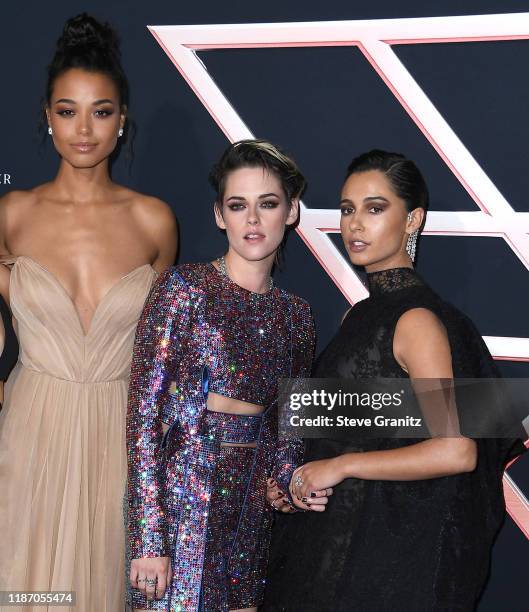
{"x": 90, "y": 45}
{"x": 405, "y": 178}
{"x": 257, "y": 154}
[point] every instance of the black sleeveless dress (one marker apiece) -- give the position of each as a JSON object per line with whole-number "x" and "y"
{"x": 413, "y": 546}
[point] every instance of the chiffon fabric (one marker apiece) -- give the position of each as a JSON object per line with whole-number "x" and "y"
{"x": 383, "y": 545}
{"x": 62, "y": 440}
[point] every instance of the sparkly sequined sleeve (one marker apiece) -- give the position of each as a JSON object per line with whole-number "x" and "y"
{"x": 159, "y": 337}
{"x": 289, "y": 453}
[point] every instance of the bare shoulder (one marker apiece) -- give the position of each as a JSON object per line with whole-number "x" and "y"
{"x": 420, "y": 321}
{"x": 421, "y": 345}
{"x": 15, "y": 208}
{"x": 18, "y": 200}
{"x": 151, "y": 212}
{"x": 156, "y": 219}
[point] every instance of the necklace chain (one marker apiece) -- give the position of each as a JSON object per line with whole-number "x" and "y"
{"x": 223, "y": 269}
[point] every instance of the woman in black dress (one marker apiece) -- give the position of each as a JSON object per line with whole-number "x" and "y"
{"x": 411, "y": 523}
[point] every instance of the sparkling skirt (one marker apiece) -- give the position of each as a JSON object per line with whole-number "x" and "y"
{"x": 229, "y": 492}
{"x": 220, "y": 582}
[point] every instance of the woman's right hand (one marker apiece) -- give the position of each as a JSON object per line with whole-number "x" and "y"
{"x": 278, "y": 500}
{"x": 151, "y": 576}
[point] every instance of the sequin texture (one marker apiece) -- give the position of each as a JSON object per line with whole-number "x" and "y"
{"x": 189, "y": 498}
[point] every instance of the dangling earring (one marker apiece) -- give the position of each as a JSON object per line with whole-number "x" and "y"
{"x": 120, "y": 132}
{"x": 411, "y": 244}
{"x": 50, "y": 131}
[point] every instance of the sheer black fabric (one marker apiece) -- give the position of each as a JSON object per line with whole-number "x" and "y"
{"x": 393, "y": 545}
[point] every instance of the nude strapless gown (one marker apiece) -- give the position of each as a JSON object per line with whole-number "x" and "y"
{"x": 62, "y": 440}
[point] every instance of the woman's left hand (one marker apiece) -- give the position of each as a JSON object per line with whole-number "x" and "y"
{"x": 315, "y": 476}
{"x": 276, "y": 498}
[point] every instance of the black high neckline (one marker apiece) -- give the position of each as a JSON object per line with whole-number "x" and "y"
{"x": 392, "y": 279}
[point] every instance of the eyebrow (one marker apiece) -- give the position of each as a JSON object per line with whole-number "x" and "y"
{"x": 366, "y": 200}
{"x": 371, "y": 198}
{"x": 96, "y": 103}
{"x": 267, "y": 195}
{"x": 263, "y": 195}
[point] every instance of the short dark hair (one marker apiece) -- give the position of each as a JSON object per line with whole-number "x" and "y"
{"x": 258, "y": 154}
{"x": 90, "y": 45}
{"x": 404, "y": 176}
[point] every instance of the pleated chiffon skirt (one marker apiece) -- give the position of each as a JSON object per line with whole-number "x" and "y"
{"x": 63, "y": 472}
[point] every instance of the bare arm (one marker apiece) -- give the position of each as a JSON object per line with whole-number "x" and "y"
{"x": 9, "y": 204}
{"x": 2, "y": 346}
{"x": 421, "y": 347}
{"x": 158, "y": 220}
{"x": 5, "y": 275}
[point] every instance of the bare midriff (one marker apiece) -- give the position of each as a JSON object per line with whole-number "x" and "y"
{"x": 221, "y": 403}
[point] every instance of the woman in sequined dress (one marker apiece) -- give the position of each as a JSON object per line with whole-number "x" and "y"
{"x": 212, "y": 343}
{"x": 411, "y": 523}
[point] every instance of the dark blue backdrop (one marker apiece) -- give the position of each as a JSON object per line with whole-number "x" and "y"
{"x": 324, "y": 106}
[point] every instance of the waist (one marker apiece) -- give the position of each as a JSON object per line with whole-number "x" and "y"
{"x": 71, "y": 380}
{"x": 217, "y": 427}
{"x": 233, "y": 428}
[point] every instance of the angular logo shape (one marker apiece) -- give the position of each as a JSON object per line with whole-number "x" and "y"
{"x": 374, "y": 38}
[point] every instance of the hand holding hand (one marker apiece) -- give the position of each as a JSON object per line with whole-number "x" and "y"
{"x": 278, "y": 500}
{"x": 309, "y": 480}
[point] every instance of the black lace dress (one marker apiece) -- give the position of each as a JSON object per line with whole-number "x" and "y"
{"x": 413, "y": 546}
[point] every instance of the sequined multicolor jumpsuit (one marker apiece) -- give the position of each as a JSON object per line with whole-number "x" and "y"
{"x": 190, "y": 498}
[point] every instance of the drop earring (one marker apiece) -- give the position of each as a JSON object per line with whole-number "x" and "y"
{"x": 120, "y": 132}
{"x": 411, "y": 244}
{"x": 50, "y": 131}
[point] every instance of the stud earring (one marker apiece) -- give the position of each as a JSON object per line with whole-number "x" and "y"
{"x": 120, "y": 132}
{"x": 411, "y": 244}
{"x": 50, "y": 131}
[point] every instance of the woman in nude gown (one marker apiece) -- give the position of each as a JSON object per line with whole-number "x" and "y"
{"x": 82, "y": 253}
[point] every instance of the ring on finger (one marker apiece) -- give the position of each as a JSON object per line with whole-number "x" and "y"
{"x": 273, "y": 504}
{"x": 150, "y": 581}
{"x": 298, "y": 480}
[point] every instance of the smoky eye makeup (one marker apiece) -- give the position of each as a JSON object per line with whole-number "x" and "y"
{"x": 269, "y": 204}
{"x": 104, "y": 112}
{"x": 380, "y": 205}
{"x": 235, "y": 205}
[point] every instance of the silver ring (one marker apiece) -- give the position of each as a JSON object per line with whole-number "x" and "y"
{"x": 140, "y": 580}
{"x": 298, "y": 481}
{"x": 150, "y": 581}
{"x": 273, "y": 504}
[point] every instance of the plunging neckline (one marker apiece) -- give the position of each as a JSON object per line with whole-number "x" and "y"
{"x": 84, "y": 332}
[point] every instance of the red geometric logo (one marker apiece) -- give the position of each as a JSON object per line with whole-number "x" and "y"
{"x": 374, "y": 38}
